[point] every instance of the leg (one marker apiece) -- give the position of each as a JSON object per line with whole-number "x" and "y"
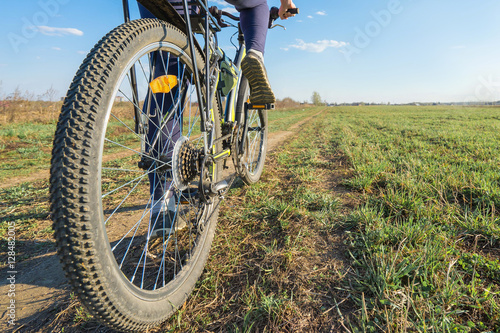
{"x": 144, "y": 12}
{"x": 160, "y": 136}
{"x": 155, "y": 107}
{"x": 254, "y": 20}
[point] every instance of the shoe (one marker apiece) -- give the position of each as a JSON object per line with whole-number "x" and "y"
{"x": 163, "y": 222}
{"x": 253, "y": 68}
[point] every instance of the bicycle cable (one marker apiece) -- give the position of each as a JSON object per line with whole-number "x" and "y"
{"x": 231, "y": 40}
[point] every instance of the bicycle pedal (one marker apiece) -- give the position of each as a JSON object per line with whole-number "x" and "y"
{"x": 268, "y": 106}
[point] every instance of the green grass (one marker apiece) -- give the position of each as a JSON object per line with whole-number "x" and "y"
{"x": 268, "y": 270}
{"x": 27, "y": 206}
{"x": 425, "y": 241}
{"x": 412, "y": 191}
{"x": 282, "y": 120}
{"x": 25, "y": 148}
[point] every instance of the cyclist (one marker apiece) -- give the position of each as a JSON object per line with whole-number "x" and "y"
{"x": 254, "y": 20}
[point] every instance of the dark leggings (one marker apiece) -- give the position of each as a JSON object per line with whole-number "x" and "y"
{"x": 254, "y": 18}
{"x": 158, "y": 106}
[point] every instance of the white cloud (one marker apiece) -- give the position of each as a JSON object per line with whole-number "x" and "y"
{"x": 82, "y": 52}
{"x": 219, "y": 2}
{"x": 309, "y": 16}
{"x": 322, "y": 13}
{"x": 230, "y": 10}
{"x": 51, "y": 31}
{"x": 56, "y": 48}
{"x": 318, "y": 47}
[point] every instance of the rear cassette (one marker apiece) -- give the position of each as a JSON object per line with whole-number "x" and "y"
{"x": 185, "y": 163}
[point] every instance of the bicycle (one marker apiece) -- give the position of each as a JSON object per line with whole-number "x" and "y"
{"x": 104, "y": 155}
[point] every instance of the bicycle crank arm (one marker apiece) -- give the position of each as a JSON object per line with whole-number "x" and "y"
{"x": 222, "y": 155}
{"x": 211, "y": 190}
{"x": 220, "y": 188}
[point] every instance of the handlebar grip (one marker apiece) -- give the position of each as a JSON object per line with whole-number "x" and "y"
{"x": 274, "y": 12}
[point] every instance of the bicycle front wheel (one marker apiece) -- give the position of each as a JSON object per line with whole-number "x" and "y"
{"x": 132, "y": 233}
{"x": 255, "y": 142}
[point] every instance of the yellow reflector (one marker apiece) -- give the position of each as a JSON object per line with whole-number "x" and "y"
{"x": 163, "y": 84}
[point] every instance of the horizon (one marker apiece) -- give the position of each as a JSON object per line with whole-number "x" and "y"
{"x": 19, "y": 96}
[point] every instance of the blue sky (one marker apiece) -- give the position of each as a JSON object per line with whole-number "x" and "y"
{"x": 347, "y": 50}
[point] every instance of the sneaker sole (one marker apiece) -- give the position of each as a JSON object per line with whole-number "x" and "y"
{"x": 261, "y": 92}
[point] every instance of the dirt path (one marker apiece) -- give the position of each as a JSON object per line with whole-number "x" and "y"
{"x": 276, "y": 138}
{"x": 45, "y": 174}
{"x": 41, "y": 287}
{"x": 273, "y": 140}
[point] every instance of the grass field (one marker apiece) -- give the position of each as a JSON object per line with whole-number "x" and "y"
{"x": 372, "y": 218}
{"x": 425, "y": 242}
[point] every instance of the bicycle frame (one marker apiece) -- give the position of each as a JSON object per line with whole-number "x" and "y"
{"x": 230, "y": 112}
{"x": 207, "y": 25}
{"x": 148, "y": 198}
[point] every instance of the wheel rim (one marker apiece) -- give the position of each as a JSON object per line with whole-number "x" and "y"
{"x": 126, "y": 200}
{"x": 254, "y": 142}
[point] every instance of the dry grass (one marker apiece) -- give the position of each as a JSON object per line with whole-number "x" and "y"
{"x": 278, "y": 263}
{"x": 28, "y": 111}
{"x": 287, "y": 103}
{"x": 26, "y": 107}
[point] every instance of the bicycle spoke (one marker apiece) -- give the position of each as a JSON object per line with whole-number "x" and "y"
{"x": 252, "y": 152}
{"x": 121, "y": 203}
{"x": 133, "y": 150}
{"x": 122, "y": 186}
{"x": 148, "y": 262}
{"x": 122, "y": 170}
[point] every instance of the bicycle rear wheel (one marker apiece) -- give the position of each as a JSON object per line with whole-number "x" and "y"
{"x": 111, "y": 185}
{"x": 255, "y": 144}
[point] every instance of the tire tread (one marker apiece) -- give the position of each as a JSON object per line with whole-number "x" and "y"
{"x": 70, "y": 179}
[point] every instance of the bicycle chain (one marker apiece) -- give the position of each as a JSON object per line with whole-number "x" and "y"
{"x": 234, "y": 145}
{"x": 201, "y": 226}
